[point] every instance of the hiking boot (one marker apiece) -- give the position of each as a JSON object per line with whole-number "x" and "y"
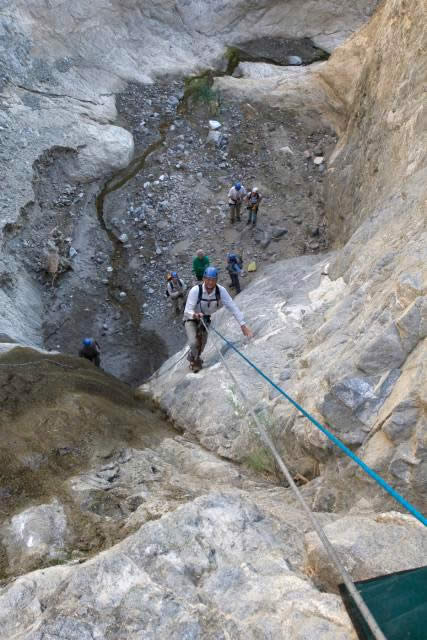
{"x": 196, "y": 365}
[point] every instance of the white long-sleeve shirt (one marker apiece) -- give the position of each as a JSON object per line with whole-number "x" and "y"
{"x": 208, "y": 304}
{"x": 235, "y": 196}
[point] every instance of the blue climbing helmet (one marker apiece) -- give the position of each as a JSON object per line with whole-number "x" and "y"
{"x": 232, "y": 257}
{"x": 237, "y": 186}
{"x": 174, "y": 274}
{"x": 211, "y": 272}
{"x": 87, "y": 342}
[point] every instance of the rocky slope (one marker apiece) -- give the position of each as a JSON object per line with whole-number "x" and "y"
{"x": 58, "y": 98}
{"x": 346, "y": 334}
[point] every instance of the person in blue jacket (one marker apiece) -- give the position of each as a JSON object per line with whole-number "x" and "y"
{"x": 234, "y": 268}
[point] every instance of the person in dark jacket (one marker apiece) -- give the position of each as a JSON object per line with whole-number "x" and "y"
{"x": 234, "y": 268}
{"x": 91, "y": 351}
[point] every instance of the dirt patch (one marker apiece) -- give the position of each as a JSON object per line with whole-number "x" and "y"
{"x": 59, "y": 415}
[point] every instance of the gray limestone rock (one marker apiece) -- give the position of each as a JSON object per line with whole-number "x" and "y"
{"x": 353, "y": 403}
{"x": 412, "y": 324}
{"x": 400, "y": 424}
{"x": 383, "y": 352}
{"x": 214, "y": 137}
{"x": 37, "y": 534}
{"x": 403, "y": 462}
{"x": 368, "y": 546}
{"x": 212, "y": 568}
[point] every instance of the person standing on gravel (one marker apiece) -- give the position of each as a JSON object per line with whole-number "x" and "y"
{"x": 234, "y": 268}
{"x": 236, "y": 196}
{"x": 253, "y": 199}
{"x": 200, "y": 263}
{"x": 203, "y": 300}
{"x": 175, "y": 290}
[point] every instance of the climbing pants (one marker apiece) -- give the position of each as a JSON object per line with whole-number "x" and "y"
{"x": 252, "y": 214}
{"x": 197, "y": 337}
{"x": 235, "y": 283}
{"x": 235, "y": 211}
{"x": 178, "y": 301}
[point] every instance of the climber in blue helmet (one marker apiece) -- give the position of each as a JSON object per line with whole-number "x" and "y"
{"x": 91, "y": 351}
{"x": 203, "y": 300}
{"x": 236, "y": 196}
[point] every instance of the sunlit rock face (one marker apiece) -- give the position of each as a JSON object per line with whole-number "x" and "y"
{"x": 346, "y": 334}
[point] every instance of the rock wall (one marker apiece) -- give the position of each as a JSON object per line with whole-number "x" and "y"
{"x": 349, "y": 345}
{"x": 377, "y": 173}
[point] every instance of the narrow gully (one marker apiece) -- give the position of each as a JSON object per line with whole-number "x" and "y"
{"x": 117, "y": 181}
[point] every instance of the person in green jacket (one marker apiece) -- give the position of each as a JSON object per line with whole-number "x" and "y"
{"x": 200, "y": 263}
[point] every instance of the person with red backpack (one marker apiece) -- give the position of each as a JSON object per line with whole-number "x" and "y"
{"x": 203, "y": 300}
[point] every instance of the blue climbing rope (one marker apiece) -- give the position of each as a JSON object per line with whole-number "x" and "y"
{"x": 331, "y": 436}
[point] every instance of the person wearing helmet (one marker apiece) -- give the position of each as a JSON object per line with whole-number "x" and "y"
{"x": 236, "y": 196}
{"x": 91, "y": 351}
{"x": 203, "y": 300}
{"x": 253, "y": 199}
{"x": 175, "y": 290}
{"x": 234, "y": 268}
{"x": 200, "y": 263}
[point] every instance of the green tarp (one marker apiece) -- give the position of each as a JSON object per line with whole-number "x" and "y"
{"x": 398, "y": 602}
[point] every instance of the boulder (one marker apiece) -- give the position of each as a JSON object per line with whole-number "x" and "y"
{"x": 213, "y": 567}
{"x": 37, "y": 535}
{"x": 368, "y": 546}
{"x": 107, "y": 149}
